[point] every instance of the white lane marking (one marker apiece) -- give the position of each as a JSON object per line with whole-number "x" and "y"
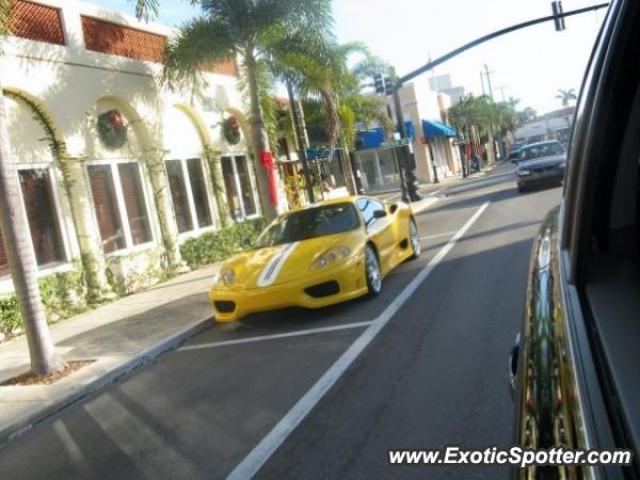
{"x": 298, "y": 333}
{"x": 433, "y": 194}
{"x": 445, "y": 234}
{"x": 272, "y": 270}
{"x": 250, "y": 465}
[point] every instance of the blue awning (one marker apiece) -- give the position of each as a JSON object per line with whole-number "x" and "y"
{"x": 437, "y": 129}
{"x": 372, "y": 138}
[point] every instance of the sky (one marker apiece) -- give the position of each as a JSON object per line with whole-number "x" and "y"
{"x": 531, "y": 64}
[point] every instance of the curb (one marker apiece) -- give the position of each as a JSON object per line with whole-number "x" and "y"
{"x": 116, "y": 374}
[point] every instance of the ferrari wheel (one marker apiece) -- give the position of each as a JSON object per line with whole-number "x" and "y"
{"x": 414, "y": 238}
{"x": 374, "y": 277}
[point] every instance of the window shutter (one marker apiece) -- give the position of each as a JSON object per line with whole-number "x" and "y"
{"x": 199, "y": 190}
{"x": 41, "y": 213}
{"x": 134, "y": 201}
{"x": 104, "y": 200}
{"x": 179, "y": 195}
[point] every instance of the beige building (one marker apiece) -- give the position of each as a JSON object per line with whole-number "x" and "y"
{"x": 420, "y": 104}
{"x": 117, "y": 171}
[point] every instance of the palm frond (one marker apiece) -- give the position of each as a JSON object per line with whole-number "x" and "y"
{"x": 146, "y": 9}
{"x": 200, "y": 44}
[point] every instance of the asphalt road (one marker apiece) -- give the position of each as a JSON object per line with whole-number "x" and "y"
{"x": 434, "y": 375}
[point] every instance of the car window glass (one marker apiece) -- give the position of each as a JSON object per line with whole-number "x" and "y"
{"x": 310, "y": 223}
{"x": 368, "y": 207}
{"x": 544, "y": 150}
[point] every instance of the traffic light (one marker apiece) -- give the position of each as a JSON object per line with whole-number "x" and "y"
{"x": 388, "y": 86}
{"x": 558, "y": 20}
{"x": 378, "y": 82}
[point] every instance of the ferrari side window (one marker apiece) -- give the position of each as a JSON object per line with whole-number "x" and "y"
{"x": 368, "y": 207}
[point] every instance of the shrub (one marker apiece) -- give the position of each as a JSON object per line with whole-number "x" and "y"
{"x": 220, "y": 245}
{"x": 9, "y": 314}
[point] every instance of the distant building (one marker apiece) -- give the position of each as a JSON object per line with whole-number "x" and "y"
{"x": 424, "y": 113}
{"x": 554, "y": 125}
{"x": 443, "y": 84}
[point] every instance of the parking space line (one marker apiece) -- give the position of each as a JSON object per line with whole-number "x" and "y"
{"x": 275, "y": 336}
{"x": 261, "y": 453}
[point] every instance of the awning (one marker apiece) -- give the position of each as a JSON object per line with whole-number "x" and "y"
{"x": 437, "y": 129}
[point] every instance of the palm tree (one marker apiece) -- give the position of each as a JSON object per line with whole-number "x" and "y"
{"x": 230, "y": 29}
{"x": 566, "y": 96}
{"x": 320, "y": 71}
{"x": 18, "y": 246}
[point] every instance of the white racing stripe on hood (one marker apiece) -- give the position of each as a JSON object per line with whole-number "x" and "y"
{"x": 272, "y": 270}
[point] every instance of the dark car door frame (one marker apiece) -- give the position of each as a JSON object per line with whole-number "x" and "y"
{"x": 595, "y": 144}
{"x": 590, "y": 146}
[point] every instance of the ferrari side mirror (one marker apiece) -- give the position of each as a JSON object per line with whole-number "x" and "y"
{"x": 379, "y": 214}
{"x": 393, "y": 208}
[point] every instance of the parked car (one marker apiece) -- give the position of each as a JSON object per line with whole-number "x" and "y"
{"x": 574, "y": 367}
{"x": 541, "y": 163}
{"x": 312, "y": 257}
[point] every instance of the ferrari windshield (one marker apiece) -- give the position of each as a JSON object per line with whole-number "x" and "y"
{"x": 310, "y": 223}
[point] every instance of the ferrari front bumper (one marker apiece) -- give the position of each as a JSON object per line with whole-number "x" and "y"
{"x": 315, "y": 290}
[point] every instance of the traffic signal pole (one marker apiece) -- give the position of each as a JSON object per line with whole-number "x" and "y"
{"x": 409, "y": 190}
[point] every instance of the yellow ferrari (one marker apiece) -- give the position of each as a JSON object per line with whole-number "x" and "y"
{"x": 324, "y": 254}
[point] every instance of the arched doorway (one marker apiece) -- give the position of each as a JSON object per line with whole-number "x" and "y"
{"x": 187, "y": 170}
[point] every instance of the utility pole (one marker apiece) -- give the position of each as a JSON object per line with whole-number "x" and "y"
{"x": 488, "y": 75}
{"x": 484, "y": 92}
{"x": 502, "y": 89}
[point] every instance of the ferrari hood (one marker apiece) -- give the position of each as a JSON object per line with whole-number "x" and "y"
{"x": 265, "y": 267}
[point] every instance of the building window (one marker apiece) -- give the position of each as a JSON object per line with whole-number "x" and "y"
{"x": 239, "y": 187}
{"x": 44, "y": 226}
{"x": 189, "y": 194}
{"x": 119, "y": 201}
{"x": 199, "y": 192}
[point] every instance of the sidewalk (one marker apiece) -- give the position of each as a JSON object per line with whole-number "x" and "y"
{"x": 431, "y": 189}
{"x": 120, "y": 337}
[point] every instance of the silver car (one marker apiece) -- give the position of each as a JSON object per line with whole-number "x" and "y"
{"x": 541, "y": 163}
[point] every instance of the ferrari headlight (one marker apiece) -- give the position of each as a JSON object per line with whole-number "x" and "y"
{"x": 227, "y": 277}
{"x": 523, "y": 173}
{"x": 330, "y": 256}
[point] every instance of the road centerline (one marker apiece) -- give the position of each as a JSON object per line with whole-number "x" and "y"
{"x": 263, "y": 451}
{"x": 276, "y": 336}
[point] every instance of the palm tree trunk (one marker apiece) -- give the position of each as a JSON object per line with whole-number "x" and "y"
{"x": 22, "y": 263}
{"x": 260, "y": 138}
